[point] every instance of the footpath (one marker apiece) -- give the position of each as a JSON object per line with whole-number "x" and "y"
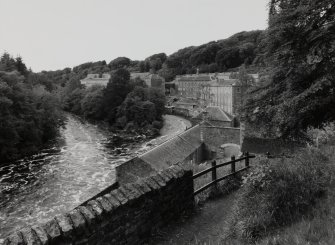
{"x": 207, "y": 226}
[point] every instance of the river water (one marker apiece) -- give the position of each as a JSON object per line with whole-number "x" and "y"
{"x": 78, "y": 165}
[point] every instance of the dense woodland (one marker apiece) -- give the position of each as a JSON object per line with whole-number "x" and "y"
{"x": 124, "y": 103}
{"x": 30, "y": 112}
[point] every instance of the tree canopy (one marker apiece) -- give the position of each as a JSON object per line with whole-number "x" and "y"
{"x": 300, "y": 51}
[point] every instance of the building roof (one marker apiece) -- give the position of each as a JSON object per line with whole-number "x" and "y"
{"x": 216, "y": 113}
{"x": 174, "y": 150}
{"x": 226, "y": 82}
{"x": 196, "y": 78}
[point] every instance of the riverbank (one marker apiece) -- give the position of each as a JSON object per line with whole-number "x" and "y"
{"x": 78, "y": 166}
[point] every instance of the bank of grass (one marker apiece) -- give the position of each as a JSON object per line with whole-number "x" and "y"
{"x": 287, "y": 201}
{"x": 318, "y": 225}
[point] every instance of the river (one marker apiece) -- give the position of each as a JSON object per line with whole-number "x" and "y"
{"x": 78, "y": 165}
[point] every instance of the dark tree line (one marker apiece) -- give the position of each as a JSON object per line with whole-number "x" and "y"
{"x": 29, "y": 114}
{"x": 224, "y": 55}
{"x": 299, "y": 91}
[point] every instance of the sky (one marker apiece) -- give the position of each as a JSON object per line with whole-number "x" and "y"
{"x": 54, "y": 34}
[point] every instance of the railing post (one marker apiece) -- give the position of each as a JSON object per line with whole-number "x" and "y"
{"x": 247, "y": 159}
{"x": 233, "y": 164}
{"x": 214, "y": 177}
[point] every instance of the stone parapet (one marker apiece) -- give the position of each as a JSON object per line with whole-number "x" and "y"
{"x": 126, "y": 215}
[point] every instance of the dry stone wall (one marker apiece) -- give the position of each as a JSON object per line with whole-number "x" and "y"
{"x": 126, "y": 215}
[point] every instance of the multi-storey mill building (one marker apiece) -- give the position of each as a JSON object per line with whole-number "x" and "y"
{"x": 212, "y": 90}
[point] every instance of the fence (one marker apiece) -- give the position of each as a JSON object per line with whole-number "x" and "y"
{"x": 212, "y": 169}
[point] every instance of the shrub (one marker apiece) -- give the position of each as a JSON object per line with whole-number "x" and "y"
{"x": 279, "y": 192}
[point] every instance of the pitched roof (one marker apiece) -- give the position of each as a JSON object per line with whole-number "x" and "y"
{"x": 174, "y": 150}
{"x": 216, "y": 113}
{"x": 226, "y": 82}
{"x": 195, "y": 78}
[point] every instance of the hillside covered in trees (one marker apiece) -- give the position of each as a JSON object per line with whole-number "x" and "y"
{"x": 218, "y": 56}
{"x": 30, "y": 112}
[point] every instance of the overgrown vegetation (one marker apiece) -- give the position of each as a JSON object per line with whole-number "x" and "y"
{"x": 279, "y": 192}
{"x": 30, "y": 113}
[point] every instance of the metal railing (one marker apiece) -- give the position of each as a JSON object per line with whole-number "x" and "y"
{"x": 212, "y": 169}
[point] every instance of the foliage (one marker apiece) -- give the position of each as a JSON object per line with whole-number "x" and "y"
{"x": 115, "y": 93}
{"x": 29, "y": 117}
{"x": 91, "y": 102}
{"x": 300, "y": 51}
{"x": 120, "y": 62}
{"x": 124, "y": 103}
{"x": 278, "y": 192}
{"x": 323, "y": 135}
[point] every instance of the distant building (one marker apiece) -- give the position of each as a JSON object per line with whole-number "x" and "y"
{"x": 95, "y": 79}
{"x": 151, "y": 80}
{"x": 212, "y": 90}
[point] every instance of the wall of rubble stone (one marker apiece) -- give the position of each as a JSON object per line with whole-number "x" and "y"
{"x": 123, "y": 216}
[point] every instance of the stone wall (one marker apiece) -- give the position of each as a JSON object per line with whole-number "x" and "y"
{"x": 126, "y": 215}
{"x": 214, "y": 137}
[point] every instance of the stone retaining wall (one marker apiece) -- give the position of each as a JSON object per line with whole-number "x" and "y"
{"x": 123, "y": 216}
{"x": 214, "y": 137}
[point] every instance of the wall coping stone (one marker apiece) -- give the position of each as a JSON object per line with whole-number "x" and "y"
{"x": 65, "y": 225}
{"x": 95, "y": 207}
{"x": 133, "y": 190}
{"x": 106, "y": 205}
{"x": 81, "y": 221}
{"x": 52, "y": 229}
{"x": 30, "y": 237}
{"x": 78, "y": 222}
{"x": 127, "y": 193}
{"x": 88, "y": 215}
{"x": 152, "y": 184}
{"x": 114, "y": 201}
{"x": 119, "y": 196}
{"x": 41, "y": 234}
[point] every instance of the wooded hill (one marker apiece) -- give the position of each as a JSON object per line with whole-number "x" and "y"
{"x": 216, "y": 56}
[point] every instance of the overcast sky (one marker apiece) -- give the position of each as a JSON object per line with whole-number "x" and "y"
{"x": 54, "y": 34}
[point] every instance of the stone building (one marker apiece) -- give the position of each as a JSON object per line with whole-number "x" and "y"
{"x": 212, "y": 90}
{"x": 151, "y": 80}
{"x": 95, "y": 79}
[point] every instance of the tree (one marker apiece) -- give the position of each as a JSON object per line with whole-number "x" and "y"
{"x": 157, "y": 97}
{"x": 20, "y": 66}
{"x": 91, "y": 103}
{"x": 7, "y": 63}
{"x": 300, "y": 51}
{"x": 120, "y": 62}
{"x": 116, "y": 91}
